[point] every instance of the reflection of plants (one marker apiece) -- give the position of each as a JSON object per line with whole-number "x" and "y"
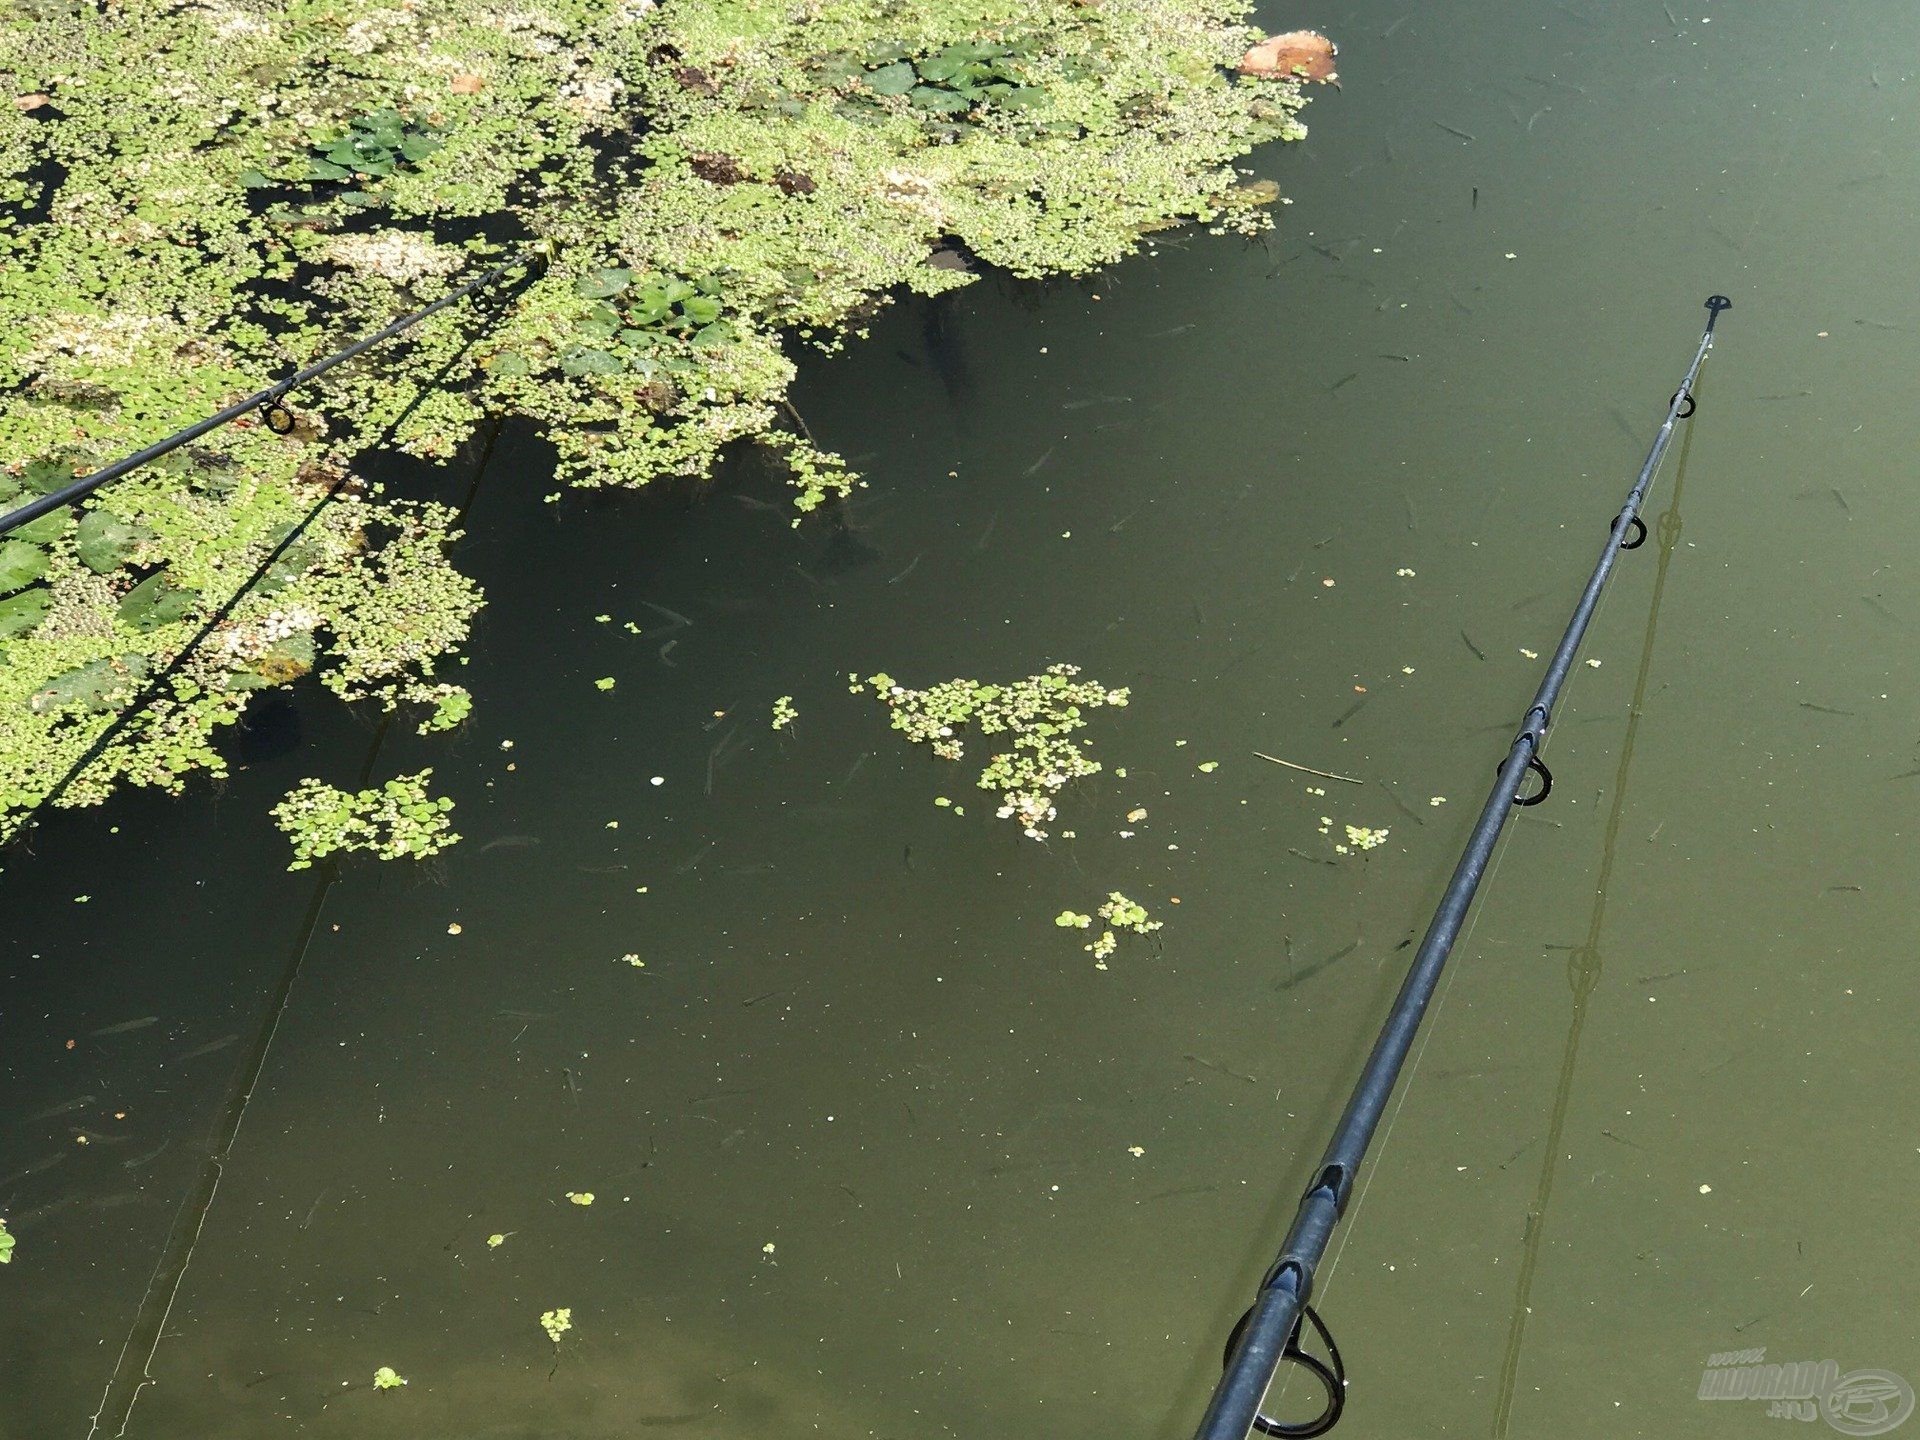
{"x": 372, "y": 148}
{"x": 628, "y": 322}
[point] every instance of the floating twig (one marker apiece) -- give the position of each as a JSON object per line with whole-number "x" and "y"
{"x": 1308, "y": 769}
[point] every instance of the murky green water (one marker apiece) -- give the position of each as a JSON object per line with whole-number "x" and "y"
{"x": 859, "y": 1040}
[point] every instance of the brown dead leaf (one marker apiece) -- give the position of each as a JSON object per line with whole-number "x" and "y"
{"x": 467, "y": 85}
{"x": 25, "y": 103}
{"x": 1304, "y": 54}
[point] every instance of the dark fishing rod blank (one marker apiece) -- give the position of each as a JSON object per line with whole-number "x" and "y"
{"x": 1270, "y": 1331}
{"x": 269, "y": 402}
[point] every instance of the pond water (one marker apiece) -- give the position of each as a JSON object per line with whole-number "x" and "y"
{"x": 861, "y": 1132}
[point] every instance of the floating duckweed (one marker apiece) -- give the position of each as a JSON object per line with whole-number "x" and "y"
{"x": 387, "y": 1378}
{"x": 556, "y": 1323}
{"x": 212, "y": 195}
{"x": 1041, "y": 713}
{"x": 580, "y": 1197}
{"x": 1072, "y": 919}
{"x": 1127, "y": 914}
{"x": 783, "y": 713}
{"x": 397, "y": 820}
{"x": 6, "y": 1245}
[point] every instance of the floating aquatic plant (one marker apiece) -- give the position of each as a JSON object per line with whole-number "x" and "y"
{"x": 556, "y": 1323}
{"x": 783, "y": 713}
{"x": 387, "y": 1378}
{"x": 1042, "y": 714}
{"x": 397, "y": 820}
{"x": 1120, "y": 913}
{"x": 184, "y": 198}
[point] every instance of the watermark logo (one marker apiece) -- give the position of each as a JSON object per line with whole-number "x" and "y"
{"x": 1860, "y": 1402}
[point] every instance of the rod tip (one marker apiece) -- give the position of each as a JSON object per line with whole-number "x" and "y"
{"x": 1717, "y": 303}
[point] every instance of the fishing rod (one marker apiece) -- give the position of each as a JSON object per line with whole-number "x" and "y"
{"x": 270, "y": 402}
{"x": 1269, "y": 1333}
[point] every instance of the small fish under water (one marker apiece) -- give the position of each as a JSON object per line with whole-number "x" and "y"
{"x": 126, "y": 1025}
{"x": 208, "y": 1048}
{"x": 511, "y": 842}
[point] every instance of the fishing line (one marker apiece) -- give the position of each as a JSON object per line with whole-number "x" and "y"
{"x": 1473, "y": 923}
{"x": 1584, "y": 970}
{"x": 1270, "y": 1331}
{"x": 190, "y": 1218}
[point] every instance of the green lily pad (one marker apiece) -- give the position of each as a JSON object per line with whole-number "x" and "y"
{"x": 154, "y": 602}
{"x": 895, "y": 79}
{"x": 47, "y": 476}
{"x": 46, "y": 529}
{"x": 603, "y": 284}
{"x": 97, "y": 686}
{"x": 104, "y": 540}
{"x": 21, "y": 613}
{"x": 941, "y": 102}
{"x": 584, "y": 360}
{"x": 508, "y": 363}
{"x": 701, "y": 309}
{"x": 940, "y": 67}
{"x": 21, "y": 564}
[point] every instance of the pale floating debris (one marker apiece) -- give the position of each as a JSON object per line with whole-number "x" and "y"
{"x": 658, "y": 780}
{"x": 1135, "y": 816}
{"x": 1530, "y": 654}
{"x": 633, "y": 960}
{"x": 1207, "y": 767}
{"x": 1438, "y": 800}
{"x": 454, "y": 929}
{"x": 1295, "y": 55}
{"x": 1706, "y": 1189}
{"x": 1593, "y": 664}
{"x": 1404, "y": 573}
{"x": 768, "y": 1248}
{"x": 1327, "y": 581}
{"x": 1136, "y": 1151}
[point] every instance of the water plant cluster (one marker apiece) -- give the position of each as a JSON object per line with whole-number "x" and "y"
{"x": 195, "y": 199}
{"x": 397, "y": 820}
{"x": 1041, "y": 714}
